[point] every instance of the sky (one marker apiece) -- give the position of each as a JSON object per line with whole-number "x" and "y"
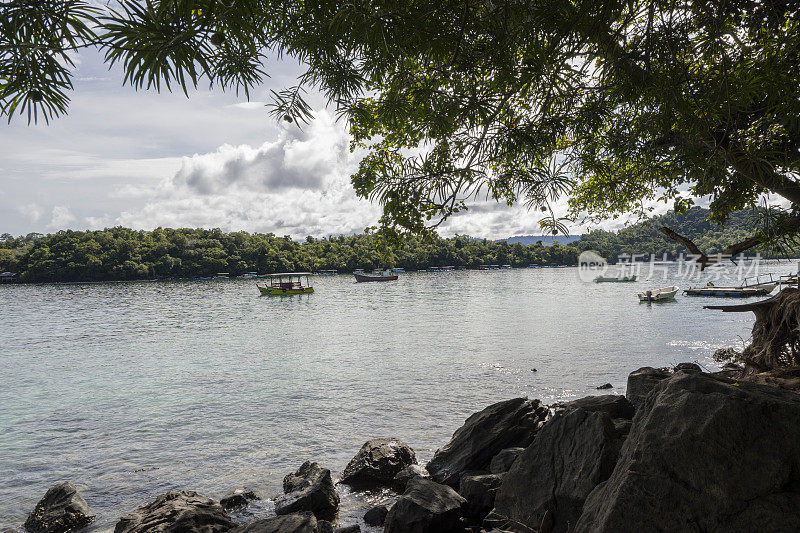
{"x": 141, "y": 159}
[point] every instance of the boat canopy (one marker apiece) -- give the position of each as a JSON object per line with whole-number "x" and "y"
{"x": 287, "y": 274}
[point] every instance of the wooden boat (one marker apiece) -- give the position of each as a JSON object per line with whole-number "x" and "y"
{"x": 659, "y": 295}
{"x": 286, "y": 284}
{"x": 727, "y": 292}
{"x": 380, "y": 276}
{"x": 622, "y": 279}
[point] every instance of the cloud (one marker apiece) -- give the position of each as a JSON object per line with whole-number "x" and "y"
{"x": 32, "y": 211}
{"x": 61, "y": 218}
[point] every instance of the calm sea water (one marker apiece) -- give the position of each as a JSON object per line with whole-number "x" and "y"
{"x": 133, "y": 389}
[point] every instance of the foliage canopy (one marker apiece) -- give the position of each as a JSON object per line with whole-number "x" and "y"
{"x": 612, "y": 104}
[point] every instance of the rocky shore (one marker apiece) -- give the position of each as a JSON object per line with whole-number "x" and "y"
{"x": 684, "y": 450}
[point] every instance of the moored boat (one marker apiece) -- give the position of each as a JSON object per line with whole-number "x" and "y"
{"x": 386, "y": 275}
{"x": 620, "y": 279}
{"x": 286, "y": 284}
{"x": 659, "y": 295}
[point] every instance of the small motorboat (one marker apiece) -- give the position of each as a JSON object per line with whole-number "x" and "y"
{"x": 286, "y": 284}
{"x": 386, "y": 275}
{"x": 659, "y": 295}
{"x": 621, "y": 279}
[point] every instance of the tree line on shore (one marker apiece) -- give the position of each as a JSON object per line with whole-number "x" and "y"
{"x": 125, "y": 254}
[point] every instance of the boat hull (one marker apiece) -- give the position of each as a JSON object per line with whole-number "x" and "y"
{"x": 365, "y": 278}
{"x": 272, "y": 291}
{"x": 722, "y": 292}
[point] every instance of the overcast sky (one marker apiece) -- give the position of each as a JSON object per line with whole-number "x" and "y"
{"x": 143, "y": 160}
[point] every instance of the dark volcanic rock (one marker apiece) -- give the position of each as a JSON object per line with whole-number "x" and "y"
{"x": 546, "y": 487}
{"x": 479, "y": 491}
{"x": 290, "y": 523}
{"x": 606, "y": 386}
{"x": 309, "y": 489}
{"x": 61, "y": 509}
{"x": 642, "y": 381}
{"x": 615, "y": 406}
{"x": 705, "y": 454}
{"x": 237, "y": 498}
{"x": 355, "y": 528}
{"x": 425, "y": 507}
{"x": 377, "y": 462}
{"x": 512, "y": 423}
{"x": 402, "y": 478}
{"x": 376, "y": 516}
{"x": 688, "y": 367}
{"x": 176, "y": 512}
{"x": 504, "y": 459}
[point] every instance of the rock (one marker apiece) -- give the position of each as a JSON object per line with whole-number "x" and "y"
{"x": 290, "y": 523}
{"x": 606, "y": 386}
{"x": 237, "y": 498}
{"x": 309, "y": 489}
{"x": 642, "y": 381}
{"x": 355, "y": 528}
{"x": 323, "y": 526}
{"x": 401, "y": 479}
{"x": 611, "y": 404}
{"x": 504, "y": 459}
{"x": 688, "y": 367}
{"x": 376, "y": 516}
{"x": 479, "y": 491}
{"x": 548, "y": 483}
{"x": 176, "y": 512}
{"x": 377, "y": 462}
{"x": 61, "y": 509}
{"x": 512, "y": 423}
{"x": 704, "y": 454}
{"x": 425, "y": 507}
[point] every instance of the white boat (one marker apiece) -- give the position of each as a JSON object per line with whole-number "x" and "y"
{"x": 659, "y": 295}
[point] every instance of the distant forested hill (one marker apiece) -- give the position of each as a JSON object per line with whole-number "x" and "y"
{"x": 124, "y": 254}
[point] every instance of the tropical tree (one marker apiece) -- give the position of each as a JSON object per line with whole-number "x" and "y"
{"x": 612, "y": 104}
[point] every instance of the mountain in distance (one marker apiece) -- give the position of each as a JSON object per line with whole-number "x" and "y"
{"x": 546, "y": 240}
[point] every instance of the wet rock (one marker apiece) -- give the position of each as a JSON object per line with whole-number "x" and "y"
{"x": 479, "y": 493}
{"x": 613, "y": 405}
{"x": 376, "y": 516}
{"x": 504, "y": 459}
{"x": 378, "y": 462}
{"x": 507, "y": 424}
{"x": 355, "y": 528}
{"x": 323, "y": 526}
{"x": 176, "y": 512}
{"x": 402, "y": 478}
{"x": 290, "y": 523}
{"x": 545, "y": 488}
{"x": 688, "y": 367}
{"x": 425, "y": 507}
{"x": 704, "y": 454}
{"x": 237, "y": 498}
{"x": 606, "y": 386}
{"x": 61, "y": 509}
{"x": 309, "y": 489}
{"x": 642, "y": 381}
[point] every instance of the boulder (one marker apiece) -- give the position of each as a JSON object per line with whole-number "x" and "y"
{"x": 61, "y": 509}
{"x": 605, "y": 386}
{"x": 425, "y": 507}
{"x": 355, "y": 528}
{"x": 401, "y": 479}
{"x": 705, "y": 454}
{"x": 378, "y": 462}
{"x": 504, "y": 459}
{"x": 237, "y": 498}
{"x": 291, "y": 523}
{"x": 615, "y": 406}
{"x": 176, "y": 512}
{"x": 688, "y": 367}
{"x": 548, "y": 483}
{"x": 309, "y": 489}
{"x": 376, "y": 516}
{"x": 507, "y": 424}
{"x": 642, "y": 381}
{"x": 479, "y": 492}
